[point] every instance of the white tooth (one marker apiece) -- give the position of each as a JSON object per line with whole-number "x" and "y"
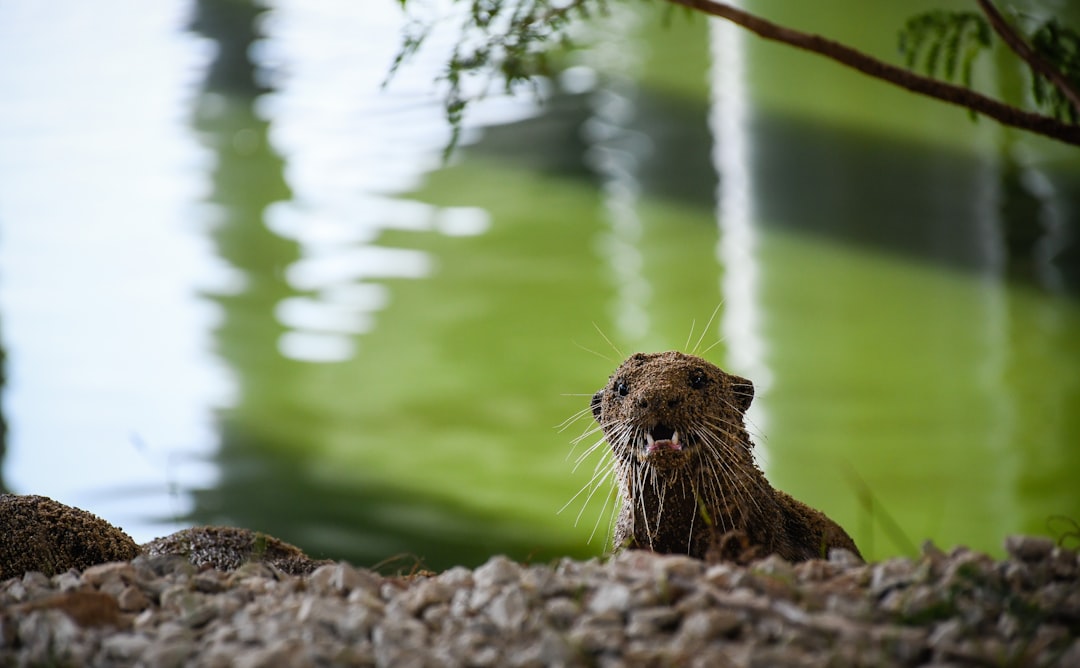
{"x": 649, "y": 439}
{"x": 675, "y": 438}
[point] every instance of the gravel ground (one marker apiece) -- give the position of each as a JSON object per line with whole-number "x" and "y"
{"x": 960, "y": 608}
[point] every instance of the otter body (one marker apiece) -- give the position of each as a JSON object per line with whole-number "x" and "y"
{"x": 686, "y": 471}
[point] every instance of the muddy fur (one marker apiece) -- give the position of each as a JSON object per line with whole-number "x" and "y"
{"x": 39, "y": 534}
{"x": 229, "y": 548}
{"x": 702, "y": 495}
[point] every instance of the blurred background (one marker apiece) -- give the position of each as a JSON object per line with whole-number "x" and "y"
{"x": 239, "y": 285}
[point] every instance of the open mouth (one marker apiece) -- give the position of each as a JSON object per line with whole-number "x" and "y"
{"x": 663, "y": 438}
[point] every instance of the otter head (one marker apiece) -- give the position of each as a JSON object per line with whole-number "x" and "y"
{"x": 665, "y": 409}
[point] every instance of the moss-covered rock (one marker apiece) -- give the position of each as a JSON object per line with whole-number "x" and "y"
{"x": 228, "y": 548}
{"x": 39, "y": 534}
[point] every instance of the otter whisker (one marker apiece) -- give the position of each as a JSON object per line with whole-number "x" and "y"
{"x": 714, "y": 482}
{"x": 741, "y": 486}
{"x": 595, "y": 482}
{"x": 693, "y": 521}
{"x": 591, "y": 351}
{"x": 640, "y": 486}
{"x": 606, "y": 474}
{"x": 613, "y": 501}
{"x": 598, "y": 445}
{"x": 605, "y": 337}
{"x": 693, "y": 324}
{"x": 712, "y": 345}
{"x": 721, "y": 470}
{"x": 591, "y": 429}
{"x": 706, "y": 329}
{"x": 565, "y": 424}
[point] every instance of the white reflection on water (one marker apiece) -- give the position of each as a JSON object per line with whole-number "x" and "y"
{"x": 615, "y": 152}
{"x": 111, "y": 385}
{"x": 740, "y": 324}
{"x": 348, "y": 147}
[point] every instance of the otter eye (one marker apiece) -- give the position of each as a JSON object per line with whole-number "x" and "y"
{"x": 697, "y": 379}
{"x": 622, "y": 388}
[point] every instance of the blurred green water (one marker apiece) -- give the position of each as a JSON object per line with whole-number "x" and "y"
{"x": 902, "y": 358}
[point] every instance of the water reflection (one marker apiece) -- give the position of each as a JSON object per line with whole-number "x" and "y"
{"x": 819, "y": 225}
{"x": 347, "y": 153}
{"x": 331, "y": 443}
{"x": 737, "y": 250}
{"x": 616, "y": 151}
{"x": 110, "y": 384}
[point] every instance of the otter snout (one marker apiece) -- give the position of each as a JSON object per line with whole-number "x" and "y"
{"x": 652, "y": 406}
{"x": 657, "y": 400}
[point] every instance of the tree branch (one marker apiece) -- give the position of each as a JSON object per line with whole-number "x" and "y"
{"x": 1021, "y": 48}
{"x": 940, "y": 90}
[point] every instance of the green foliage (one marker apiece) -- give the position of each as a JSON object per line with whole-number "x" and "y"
{"x": 945, "y": 43}
{"x": 510, "y": 41}
{"x": 1059, "y": 46}
{"x": 504, "y": 39}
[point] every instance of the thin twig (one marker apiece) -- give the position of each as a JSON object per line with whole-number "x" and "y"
{"x": 553, "y": 13}
{"x": 940, "y": 90}
{"x": 1021, "y": 48}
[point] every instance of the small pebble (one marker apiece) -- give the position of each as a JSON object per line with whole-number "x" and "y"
{"x": 1029, "y": 548}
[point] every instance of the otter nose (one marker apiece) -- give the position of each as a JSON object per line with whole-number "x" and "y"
{"x": 658, "y": 400}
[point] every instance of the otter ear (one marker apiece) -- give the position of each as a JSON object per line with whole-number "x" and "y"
{"x": 596, "y": 398}
{"x": 743, "y": 390}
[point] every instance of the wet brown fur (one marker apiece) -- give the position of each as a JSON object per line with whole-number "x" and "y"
{"x": 39, "y": 534}
{"x": 709, "y": 499}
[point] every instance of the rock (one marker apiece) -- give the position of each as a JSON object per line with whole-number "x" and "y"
{"x": 1028, "y": 548}
{"x": 887, "y": 575}
{"x": 561, "y": 612}
{"x": 85, "y": 608}
{"x": 610, "y": 598}
{"x": 131, "y": 599}
{"x": 341, "y": 579}
{"x": 109, "y": 574}
{"x": 426, "y": 592}
{"x": 49, "y": 637}
{"x": 276, "y": 653}
{"x": 398, "y": 641}
{"x": 30, "y": 586}
{"x": 704, "y": 625}
{"x": 1063, "y": 564}
{"x": 68, "y": 581}
{"x": 597, "y": 637}
{"x": 125, "y": 648}
{"x": 676, "y": 566}
{"x": 844, "y": 558}
{"x": 651, "y": 622}
{"x": 46, "y": 536}
{"x": 498, "y": 570}
{"x": 459, "y": 577}
{"x": 508, "y": 609}
{"x": 169, "y": 654}
{"x": 1071, "y": 656}
{"x": 209, "y": 582}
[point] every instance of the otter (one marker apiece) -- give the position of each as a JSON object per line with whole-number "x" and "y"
{"x": 686, "y": 472}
